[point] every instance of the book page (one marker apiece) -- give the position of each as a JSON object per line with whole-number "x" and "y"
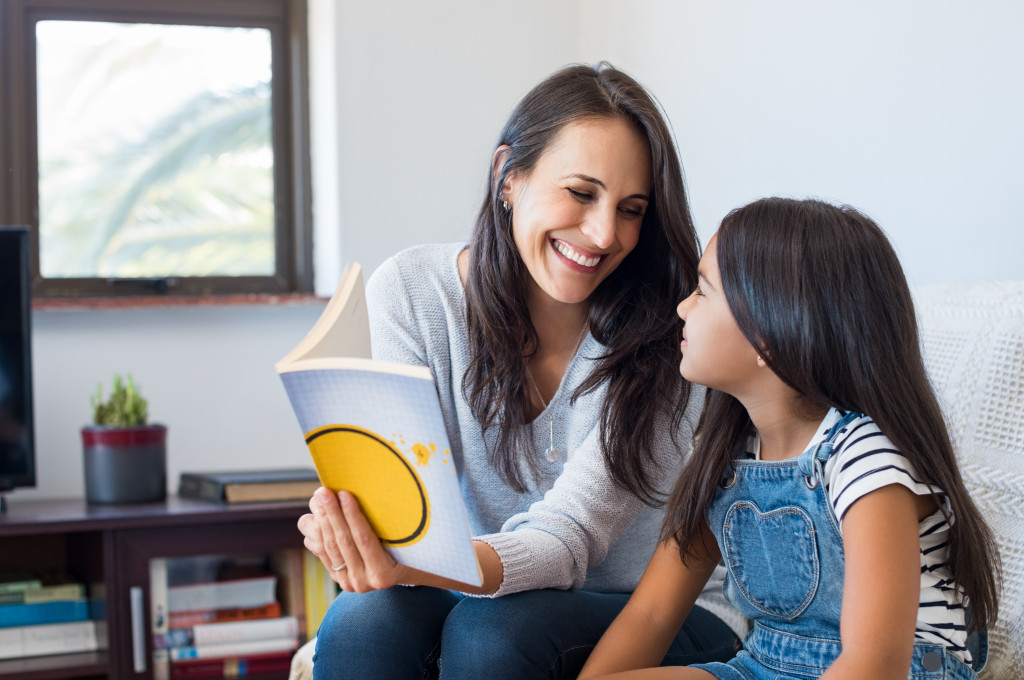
{"x": 343, "y": 329}
{"x": 382, "y": 437}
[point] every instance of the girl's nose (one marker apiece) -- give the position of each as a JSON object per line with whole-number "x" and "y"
{"x": 684, "y": 306}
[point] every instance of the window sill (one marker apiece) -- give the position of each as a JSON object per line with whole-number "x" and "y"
{"x": 157, "y": 301}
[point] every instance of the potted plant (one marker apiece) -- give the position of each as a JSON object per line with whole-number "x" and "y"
{"x": 125, "y": 456}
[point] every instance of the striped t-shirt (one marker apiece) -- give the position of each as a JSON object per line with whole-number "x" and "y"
{"x": 864, "y": 460}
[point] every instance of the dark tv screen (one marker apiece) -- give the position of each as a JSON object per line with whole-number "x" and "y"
{"x": 17, "y": 453}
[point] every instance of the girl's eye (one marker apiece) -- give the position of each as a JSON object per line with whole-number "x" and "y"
{"x": 696, "y": 291}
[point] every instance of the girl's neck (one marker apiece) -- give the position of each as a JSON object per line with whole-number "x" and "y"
{"x": 785, "y": 427}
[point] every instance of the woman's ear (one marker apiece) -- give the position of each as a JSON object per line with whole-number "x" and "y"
{"x": 497, "y": 162}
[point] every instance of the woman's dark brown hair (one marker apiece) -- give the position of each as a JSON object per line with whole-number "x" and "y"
{"x": 631, "y": 312}
{"x": 819, "y": 292}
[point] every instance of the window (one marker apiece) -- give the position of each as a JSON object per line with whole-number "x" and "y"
{"x": 157, "y": 147}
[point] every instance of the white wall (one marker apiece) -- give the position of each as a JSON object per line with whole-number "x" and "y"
{"x": 910, "y": 111}
{"x": 907, "y": 110}
{"x": 422, "y": 90}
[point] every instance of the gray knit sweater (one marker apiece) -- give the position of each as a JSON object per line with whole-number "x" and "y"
{"x": 573, "y": 528}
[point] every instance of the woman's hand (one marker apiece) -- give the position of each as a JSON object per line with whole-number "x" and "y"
{"x": 338, "y": 533}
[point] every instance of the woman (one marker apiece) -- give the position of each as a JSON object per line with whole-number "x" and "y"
{"x": 551, "y": 338}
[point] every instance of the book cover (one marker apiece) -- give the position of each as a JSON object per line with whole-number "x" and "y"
{"x": 43, "y": 612}
{"x": 240, "y": 593}
{"x": 207, "y": 634}
{"x": 232, "y": 667}
{"x": 52, "y": 638}
{"x": 376, "y": 429}
{"x": 185, "y": 619}
{"x": 249, "y": 486}
{"x": 233, "y": 649}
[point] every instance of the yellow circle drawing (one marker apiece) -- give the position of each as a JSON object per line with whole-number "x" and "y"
{"x": 389, "y": 491}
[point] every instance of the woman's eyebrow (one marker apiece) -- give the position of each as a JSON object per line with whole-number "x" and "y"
{"x": 594, "y": 180}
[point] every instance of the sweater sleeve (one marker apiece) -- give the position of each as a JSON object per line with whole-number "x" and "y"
{"x": 559, "y": 538}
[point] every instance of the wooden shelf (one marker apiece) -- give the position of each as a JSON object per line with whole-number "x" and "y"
{"x": 113, "y": 544}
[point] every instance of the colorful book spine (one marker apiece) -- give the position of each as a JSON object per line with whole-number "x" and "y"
{"x": 207, "y": 634}
{"x": 234, "y": 649}
{"x": 55, "y": 593}
{"x": 248, "y": 592}
{"x": 48, "y": 639}
{"x": 234, "y": 667}
{"x": 43, "y": 612}
{"x": 19, "y": 586}
{"x": 271, "y": 610}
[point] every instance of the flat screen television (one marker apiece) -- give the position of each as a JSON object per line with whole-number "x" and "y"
{"x": 17, "y": 447}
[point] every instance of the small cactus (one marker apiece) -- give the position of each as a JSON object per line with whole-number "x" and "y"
{"x": 125, "y": 408}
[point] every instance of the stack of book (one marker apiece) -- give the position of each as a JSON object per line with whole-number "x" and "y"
{"x": 229, "y": 628}
{"x": 39, "y": 618}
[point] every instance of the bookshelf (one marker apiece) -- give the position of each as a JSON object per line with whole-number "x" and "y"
{"x": 114, "y": 545}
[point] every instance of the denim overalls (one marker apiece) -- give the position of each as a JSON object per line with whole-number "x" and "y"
{"x": 780, "y": 540}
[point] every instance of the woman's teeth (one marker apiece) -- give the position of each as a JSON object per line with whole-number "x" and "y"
{"x": 566, "y": 250}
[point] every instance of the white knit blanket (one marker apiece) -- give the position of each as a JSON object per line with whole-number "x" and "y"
{"x": 973, "y": 339}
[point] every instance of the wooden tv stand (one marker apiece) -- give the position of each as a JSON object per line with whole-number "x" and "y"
{"x": 112, "y": 544}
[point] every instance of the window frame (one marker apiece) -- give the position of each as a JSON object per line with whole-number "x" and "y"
{"x": 19, "y": 186}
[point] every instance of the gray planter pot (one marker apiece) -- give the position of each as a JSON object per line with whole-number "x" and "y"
{"x": 125, "y": 464}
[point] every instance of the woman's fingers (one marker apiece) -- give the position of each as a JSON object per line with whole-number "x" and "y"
{"x": 339, "y": 551}
{"x": 310, "y": 530}
{"x": 379, "y": 569}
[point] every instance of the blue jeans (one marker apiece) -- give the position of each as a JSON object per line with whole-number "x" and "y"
{"x": 422, "y": 632}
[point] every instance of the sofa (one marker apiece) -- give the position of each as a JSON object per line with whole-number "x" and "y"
{"x": 973, "y": 341}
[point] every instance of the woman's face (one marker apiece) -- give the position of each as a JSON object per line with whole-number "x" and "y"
{"x": 715, "y": 351}
{"x": 577, "y": 214}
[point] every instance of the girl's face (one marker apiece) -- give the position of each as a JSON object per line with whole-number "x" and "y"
{"x": 715, "y": 351}
{"x": 577, "y": 214}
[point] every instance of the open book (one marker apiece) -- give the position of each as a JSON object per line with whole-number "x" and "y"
{"x": 375, "y": 429}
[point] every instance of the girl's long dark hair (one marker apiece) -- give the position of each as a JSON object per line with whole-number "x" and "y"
{"x": 819, "y": 292}
{"x": 631, "y": 312}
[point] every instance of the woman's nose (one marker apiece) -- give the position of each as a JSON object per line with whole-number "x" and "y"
{"x": 599, "y": 228}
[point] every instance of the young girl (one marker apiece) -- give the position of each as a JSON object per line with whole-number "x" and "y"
{"x": 822, "y": 470}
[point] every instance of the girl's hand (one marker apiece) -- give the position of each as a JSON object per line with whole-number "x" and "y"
{"x": 635, "y": 643}
{"x": 338, "y": 533}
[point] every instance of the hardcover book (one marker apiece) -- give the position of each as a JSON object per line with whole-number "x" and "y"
{"x": 375, "y": 429}
{"x": 236, "y": 593}
{"x": 232, "y": 667}
{"x": 207, "y": 634}
{"x": 249, "y": 486}
{"x": 43, "y": 612}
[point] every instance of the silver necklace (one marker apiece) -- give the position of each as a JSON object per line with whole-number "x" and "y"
{"x": 552, "y": 453}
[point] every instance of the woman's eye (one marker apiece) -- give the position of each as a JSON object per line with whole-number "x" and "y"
{"x": 581, "y": 195}
{"x": 633, "y": 212}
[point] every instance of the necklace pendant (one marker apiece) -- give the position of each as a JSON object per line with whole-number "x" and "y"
{"x": 552, "y": 454}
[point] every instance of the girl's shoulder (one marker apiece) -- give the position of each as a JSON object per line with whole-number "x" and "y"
{"x": 864, "y": 460}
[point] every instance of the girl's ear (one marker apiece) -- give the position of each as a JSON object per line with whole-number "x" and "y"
{"x": 761, "y": 362}
{"x": 497, "y": 161}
